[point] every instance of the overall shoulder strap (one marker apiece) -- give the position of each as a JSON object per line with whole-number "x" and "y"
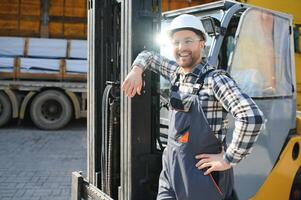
{"x": 200, "y": 80}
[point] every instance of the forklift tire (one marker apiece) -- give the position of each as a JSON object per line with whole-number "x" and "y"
{"x": 5, "y": 109}
{"x": 51, "y": 110}
{"x": 296, "y": 187}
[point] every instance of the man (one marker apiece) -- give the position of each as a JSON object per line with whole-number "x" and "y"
{"x": 196, "y": 163}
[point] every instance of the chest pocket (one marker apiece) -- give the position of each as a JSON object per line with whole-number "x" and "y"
{"x": 204, "y": 96}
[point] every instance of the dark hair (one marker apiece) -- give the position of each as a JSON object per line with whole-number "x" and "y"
{"x": 197, "y": 32}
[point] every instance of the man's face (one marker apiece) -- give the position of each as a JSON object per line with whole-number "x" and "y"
{"x": 187, "y": 48}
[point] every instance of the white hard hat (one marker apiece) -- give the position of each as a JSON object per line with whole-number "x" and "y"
{"x": 186, "y": 21}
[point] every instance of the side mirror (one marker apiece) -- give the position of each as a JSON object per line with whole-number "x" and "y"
{"x": 211, "y": 26}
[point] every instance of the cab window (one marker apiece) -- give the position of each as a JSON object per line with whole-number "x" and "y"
{"x": 261, "y": 59}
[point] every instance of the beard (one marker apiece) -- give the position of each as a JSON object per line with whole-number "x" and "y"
{"x": 187, "y": 60}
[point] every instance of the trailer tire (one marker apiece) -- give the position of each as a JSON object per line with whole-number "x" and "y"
{"x": 51, "y": 110}
{"x": 5, "y": 109}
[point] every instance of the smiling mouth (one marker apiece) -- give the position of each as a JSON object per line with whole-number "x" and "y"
{"x": 183, "y": 55}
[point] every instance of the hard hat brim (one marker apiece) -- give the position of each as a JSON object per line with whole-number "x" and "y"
{"x": 196, "y": 31}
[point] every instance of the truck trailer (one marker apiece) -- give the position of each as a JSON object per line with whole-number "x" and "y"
{"x": 43, "y": 62}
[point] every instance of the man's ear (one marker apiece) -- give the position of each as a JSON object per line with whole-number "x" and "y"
{"x": 202, "y": 44}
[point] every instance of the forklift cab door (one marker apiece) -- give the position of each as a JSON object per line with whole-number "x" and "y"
{"x": 261, "y": 62}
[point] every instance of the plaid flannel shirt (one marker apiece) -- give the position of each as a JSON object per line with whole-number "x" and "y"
{"x": 219, "y": 95}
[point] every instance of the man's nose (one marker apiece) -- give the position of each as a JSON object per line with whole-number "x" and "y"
{"x": 182, "y": 45}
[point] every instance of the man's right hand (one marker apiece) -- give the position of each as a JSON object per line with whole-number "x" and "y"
{"x": 133, "y": 82}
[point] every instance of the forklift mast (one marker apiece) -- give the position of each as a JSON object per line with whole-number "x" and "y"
{"x": 118, "y": 31}
{"x": 126, "y": 136}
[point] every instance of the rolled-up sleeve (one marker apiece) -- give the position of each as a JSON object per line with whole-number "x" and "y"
{"x": 249, "y": 119}
{"x": 156, "y": 63}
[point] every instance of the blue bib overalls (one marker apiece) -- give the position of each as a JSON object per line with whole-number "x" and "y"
{"x": 190, "y": 134}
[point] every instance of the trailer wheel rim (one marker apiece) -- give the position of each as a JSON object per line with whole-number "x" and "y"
{"x": 51, "y": 110}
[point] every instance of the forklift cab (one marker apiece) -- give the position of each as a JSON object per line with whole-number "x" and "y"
{"x": 126, "y": 137}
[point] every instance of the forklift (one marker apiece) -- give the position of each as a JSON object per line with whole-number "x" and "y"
{"x": 126, "y": 137}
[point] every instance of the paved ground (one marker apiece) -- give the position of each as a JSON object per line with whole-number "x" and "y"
{"x": 37, "y": 165}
